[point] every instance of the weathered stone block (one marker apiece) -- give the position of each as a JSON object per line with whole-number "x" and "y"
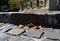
{"x": 47, "y": 30}
{"x": 34, "y": 33}
{"x": 15, "y": 31}
{"x": 52, "y": 35}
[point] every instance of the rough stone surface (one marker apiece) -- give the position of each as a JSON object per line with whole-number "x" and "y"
{"x": 31, "y": 34}
{"x": 15, "y": 31}
{"x": 34, "y": 33}
{"x": 52, "y": 35}
{"x": 20, "y": 38}
{"x": 47, "y": 30}
{"x": 6, "y": 25}
{"x": 57, "y": 30}
{"x": 26, "y": 28}
{"x": 4, "y": 37}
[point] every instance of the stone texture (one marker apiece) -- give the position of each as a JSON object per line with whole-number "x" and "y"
{"x": 36, "y": 33}
{"x": 46, "y": 30}
{"x": 13, "y": 26}
{"x": 52, "y": 35}
{"x": 20, "y": 38}
{"x": 26, "y": 28}
{"x": 6, "y": 25}
{"x": 31, "y": 34}
{"x": 4, "y": 37}
{"x": 15, "y": 31}
{"x": 57, "y": 30}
